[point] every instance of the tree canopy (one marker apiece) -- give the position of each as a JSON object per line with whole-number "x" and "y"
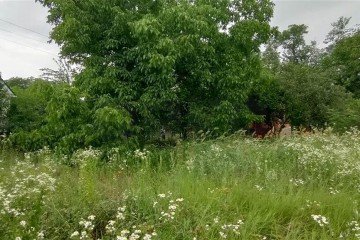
{"x": 345, "y": 58}
{"x": 182, "y": 66}
{"x": 186, "y": 65}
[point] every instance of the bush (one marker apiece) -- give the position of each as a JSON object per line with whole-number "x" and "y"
{"x": 346, "y": 115}
{"x": 27, "y": 110}
{"x": 310, "y": 92}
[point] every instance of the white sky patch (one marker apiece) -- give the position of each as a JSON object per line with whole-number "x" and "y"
{"x": 317, "y": 14}
{"x": 24, "y": 52}
{"x": 24, "y": 47}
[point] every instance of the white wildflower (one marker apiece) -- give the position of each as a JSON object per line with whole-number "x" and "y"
{"x": 223, "y": 235}
{"x": 74, "y": 234}
{"x": 41, "y": 235}
{"x": 162, "y": 195}
{"x": 321, "y": 220}
{"x": 147, "y": 236}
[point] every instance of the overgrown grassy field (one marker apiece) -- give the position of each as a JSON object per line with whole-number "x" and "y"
{"x": 231, "y": 188}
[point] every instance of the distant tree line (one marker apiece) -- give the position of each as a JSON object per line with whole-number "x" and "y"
{"x": 313, "y": 86}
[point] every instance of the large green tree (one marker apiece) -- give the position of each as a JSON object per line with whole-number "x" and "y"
{"x": 339, "y": 31}
{"x": 302, "y": 86}
{"x": 346, "y": 59}
{"x": 294, "y": 44}
{"x": 186, "y": 64}
{"x": 271, "y": 55}
{"x": 295, "y": 48}
{"x": 310, "y": 92}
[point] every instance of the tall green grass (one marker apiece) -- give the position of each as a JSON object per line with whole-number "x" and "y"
{"x": 233, "y": 188}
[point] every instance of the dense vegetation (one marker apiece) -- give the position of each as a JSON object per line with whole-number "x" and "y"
{"x": 184, "y": 67}
{"x": 84, "y": 155}
{"x": 232, "y": 188}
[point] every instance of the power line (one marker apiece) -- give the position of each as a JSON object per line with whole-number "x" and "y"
{"x": 37, "y": 49}
{"x": 28, "y": 29}
{"x": 4, "y": 30}
{"x": 21, "y": 35}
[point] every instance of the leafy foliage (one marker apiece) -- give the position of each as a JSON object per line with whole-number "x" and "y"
{"x": 184, "y": 65}
{"x": 27, "y": 113}
{"x": 304, "y": 85}
{"x": 339, "y": 30}
{"x": 346, "y": 61}
{"x": 294, "y": 44}
{"x": 66, "y": 120}
{"x": 18, "y": 82}
{"x": 27, "y": 110}
{"x": 309, "y": 92}
{"x": 271, "y": 56}
{"x": 346, "y": 116}
{"x": 267, "y": 98}
{"x": 296, "y": 50}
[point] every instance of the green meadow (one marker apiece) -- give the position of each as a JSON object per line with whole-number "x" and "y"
{"x": 304, "y": 187}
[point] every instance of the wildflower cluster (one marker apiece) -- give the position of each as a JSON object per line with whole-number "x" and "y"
{"x": 297, "y": 182}
{"x": 353, "y": 231}
{"x": 143, "y": 155}
{"x": 226, "y": 230}
{"x": 44, "y": 154}
{"x": 135, "y": 234}
{"x": 115, "y": 229}
{"x": 259, "y": 188}
{"x": 321, "y": 220}
{"x": 167, "y": 206}
{"x": 230, "y": 228}
{"x": 316, "y": 167}
{"x": 333, "y": 191}
{"x": 120, "y": 216}
{"x": 355, "y": 228}
{"x": 87, "y": 226}
{"x": 311, "y": 205}
{"x": 216, "y": 149}
{"x": 84, "y": 156}
{"x": 25, "y": 188}
{"x": 190, "y": 164}
{"x": 323, "y": 155}
{"x": 116, "y": 159}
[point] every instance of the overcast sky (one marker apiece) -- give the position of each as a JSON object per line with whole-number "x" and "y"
{"x": 23, "y": 30}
